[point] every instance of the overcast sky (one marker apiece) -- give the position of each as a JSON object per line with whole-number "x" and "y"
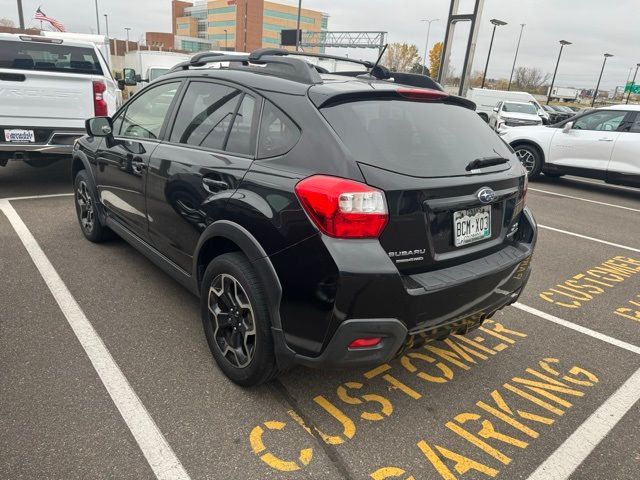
{"x": 594, "y": 27}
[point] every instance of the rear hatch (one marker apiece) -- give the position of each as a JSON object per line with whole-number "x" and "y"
{"x": 454, "y": 189}
{"x": 46, "y": 84}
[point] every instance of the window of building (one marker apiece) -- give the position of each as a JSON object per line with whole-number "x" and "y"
{"x": 288, "y": 16}
{"x": 217, "y": 11}
{"x": 272, "y": 26}
{"x": 183, "y": 26}
{"x": 271, "y": 41}
{"x": 205, "y": 115}
{"x": 223, "y": 23}
{"x": 221, "y": 36}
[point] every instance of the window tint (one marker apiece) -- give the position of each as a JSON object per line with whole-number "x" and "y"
{"x": 242, "y": 138}
{"x": 146, "y": 113}
{"x": 278, "y": 133}
{"x": 50, "y": 57}
{"x": 421, "y": 139}
{"x": 607, "y": 120}
{"x": 205, "y": 115}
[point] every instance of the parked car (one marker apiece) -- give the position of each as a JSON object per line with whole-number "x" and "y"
{"x": 603, "y": 143}
{"x": 144, "y": 66}
{"x": 50, "y": 86}
{"x": 507, "y": 115}
{"x": 486, "y": 100}
{"x": 561, "y": 113}
{"x": 554, "y": 115}
{"x": 323, "y": 220}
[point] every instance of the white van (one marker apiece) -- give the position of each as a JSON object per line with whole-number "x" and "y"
{"x": 486, "y": 101}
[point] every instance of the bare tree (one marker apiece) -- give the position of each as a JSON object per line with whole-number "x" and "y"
{"x": 7, "y": 22}
{"x": 400, "y": 57}
{"x": 530, "y": 79}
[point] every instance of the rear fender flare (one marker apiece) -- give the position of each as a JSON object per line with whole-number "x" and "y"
{"x": 81, "y": 162}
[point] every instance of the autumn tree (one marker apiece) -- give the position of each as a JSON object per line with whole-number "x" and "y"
{"x": 400, "y": 57}
{"x": 435, "y": 55}
{"x": 530, "y": 79}
{"x": 7, "y": 22}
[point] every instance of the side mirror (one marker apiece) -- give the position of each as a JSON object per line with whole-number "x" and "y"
{"x": 121, "y": 84}
{"x": 495, "y": 109}
{"x": 99, "y": 126}
{"x": 129, "y": 75}
{"x": 567, "y": 127}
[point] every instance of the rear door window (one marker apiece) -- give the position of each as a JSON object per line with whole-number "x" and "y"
{"x": 205, "y": 115}
{"x": 242, "y": 137}
{"x": 48, "y": 57}
{"x": 278, "y": 133}
{"x": 420, "y": 139}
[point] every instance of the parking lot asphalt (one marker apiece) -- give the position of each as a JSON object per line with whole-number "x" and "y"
{"x": 524, "y": 395}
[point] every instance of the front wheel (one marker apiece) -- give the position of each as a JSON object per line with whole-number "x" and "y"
{"x": 86, "y": 210}
{"x": 530, "y": 159}
{"x": 236, "y": 320}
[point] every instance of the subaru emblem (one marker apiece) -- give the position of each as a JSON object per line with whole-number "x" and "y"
{"x": 486, "y": 195}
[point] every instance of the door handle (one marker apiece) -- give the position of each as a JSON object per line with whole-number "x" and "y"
{"x": 212, "y": 185}
{"x": 605, "y": 139}
{"x": 138, "y": 165}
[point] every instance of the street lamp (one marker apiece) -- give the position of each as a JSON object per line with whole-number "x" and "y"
{"x": 496, "y": 23}
{"x": 562, "y": 44}
{"x": 127, "y": 29}
{"x": 298, "y": 26}
{"x": 595, "y": 94}
{"x": 426, "y": 44}
{"x": 516, "y": 56}
{"x": 106, "y": 23}
{"x": 633, "y": 82}
{"x": 225, "y": 39}
{"x": 97, "y": 17}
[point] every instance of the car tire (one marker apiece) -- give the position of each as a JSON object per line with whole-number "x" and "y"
{"x": 530, "y": 158}
{"x": 86, "y": 210}
{"x": 236, "y": 320}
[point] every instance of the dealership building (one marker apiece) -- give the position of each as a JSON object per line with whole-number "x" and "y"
{"x": 242, "y": 25}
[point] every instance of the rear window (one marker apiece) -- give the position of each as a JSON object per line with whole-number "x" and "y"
{"x": 519, "y": 108}
{"x": 49, "y": 57}
{"x": 415, "y": 138}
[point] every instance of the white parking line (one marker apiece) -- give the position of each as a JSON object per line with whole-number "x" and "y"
{"x": 633, "y": 249}
{"x": 154, "y": 446}
{"x": 602, "y": 184}
{"x": 33, "y": 197}
{"x": 584, "y": 199}
{"x": 578, "y": 328}
{"x": 575, "y": 449}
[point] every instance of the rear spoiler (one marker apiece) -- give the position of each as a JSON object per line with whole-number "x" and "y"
{"x": 321, "y": 100}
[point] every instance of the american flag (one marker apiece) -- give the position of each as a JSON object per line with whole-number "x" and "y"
{"x": 39, "y": 15}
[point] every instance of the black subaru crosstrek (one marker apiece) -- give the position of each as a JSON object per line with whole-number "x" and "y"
{"x": 322, "y": 219}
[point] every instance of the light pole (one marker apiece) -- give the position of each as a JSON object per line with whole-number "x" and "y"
{"x": 298, "y": 26}
{"x": 426, "y": 44}
{"x": 106, "y": 24}
{"x": 562, "y": 44}
{"x": 225, "y": 39}
{"x": 595, "y": 94}
{"x": 516, "y": 55}
{"x": 20, "y": 15}
{"x": 633, "y": 82}
{"x": 97, "y": 17}
{"x": 496, "y": 23}
{"x": 127, "y": 45}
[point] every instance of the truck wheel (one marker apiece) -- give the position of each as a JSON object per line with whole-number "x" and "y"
{"x": 530, "y": 159}
{"x": 236, "y": 320}
{"x": 86, "y": 210}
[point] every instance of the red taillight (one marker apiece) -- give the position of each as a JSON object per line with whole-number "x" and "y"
{"x": 422, "y": 93}
{"x": 99, "y": 103}
{"x": 343, "y": 208}
{"x": 365, "y": 342}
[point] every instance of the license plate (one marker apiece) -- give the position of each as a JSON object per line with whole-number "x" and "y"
{"x": 19, "y": 136}
{"x": 471, "y": 225}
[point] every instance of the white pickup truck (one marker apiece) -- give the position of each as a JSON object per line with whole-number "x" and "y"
{"x": 48, "y": 88}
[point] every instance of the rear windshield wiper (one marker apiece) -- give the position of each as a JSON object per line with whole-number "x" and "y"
{"x": 485, "y": 162}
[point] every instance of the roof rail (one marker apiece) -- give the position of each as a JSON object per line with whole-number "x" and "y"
{"x": 260, "y": 61}
{"x": 257, "y": 54}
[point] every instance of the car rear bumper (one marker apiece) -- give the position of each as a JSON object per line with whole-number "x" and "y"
{"x": 373, "y": 300}
{"x": 49, "y": 142}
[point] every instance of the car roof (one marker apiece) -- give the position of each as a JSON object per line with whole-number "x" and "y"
{"x": 40, "y": 39}
{"x": 632, "y": 108}
{"x": 517, "y": 103}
